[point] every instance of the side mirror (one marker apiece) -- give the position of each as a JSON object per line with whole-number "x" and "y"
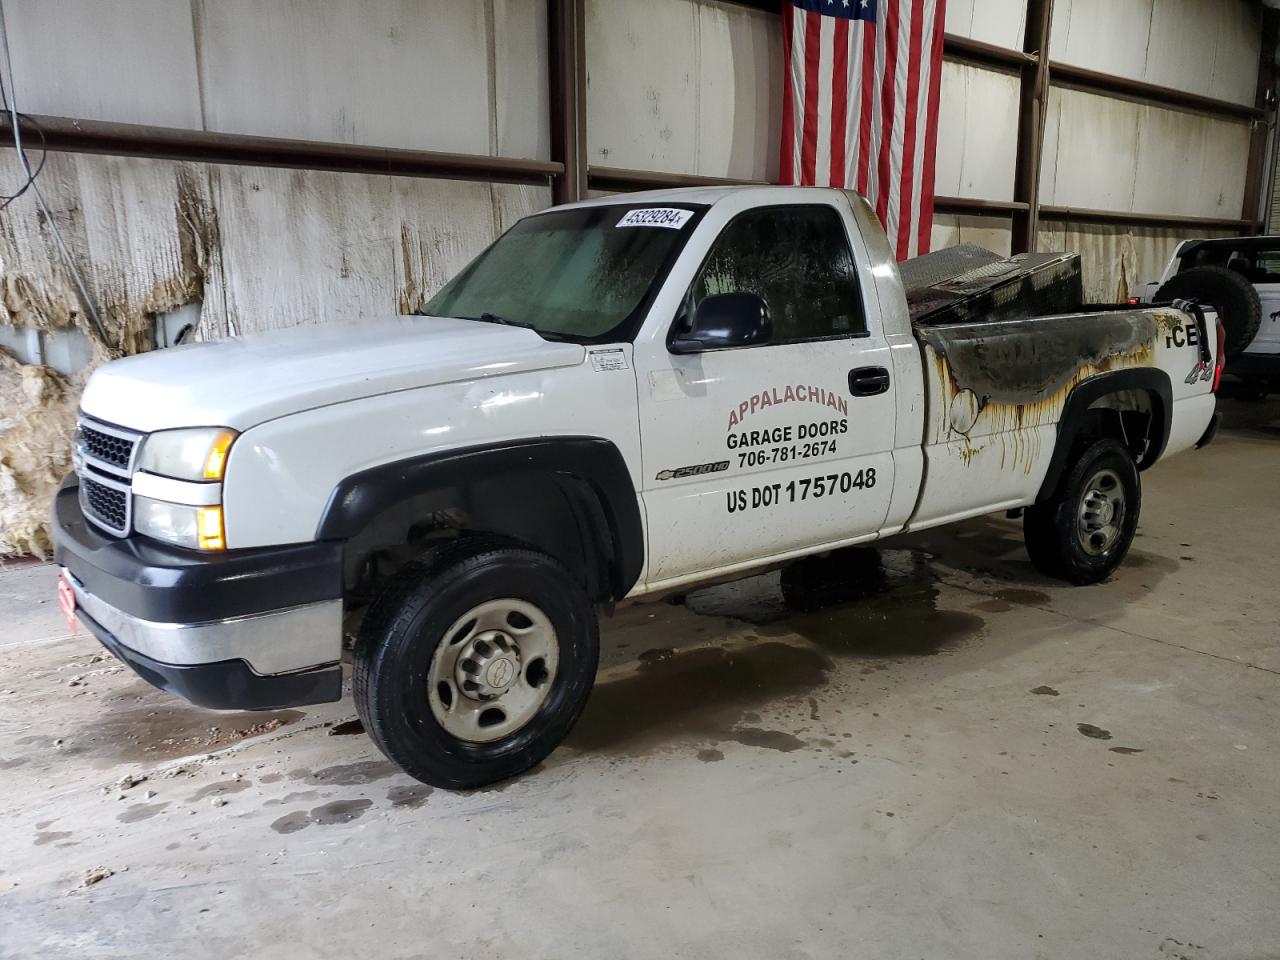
{"x": 726, "y": 320}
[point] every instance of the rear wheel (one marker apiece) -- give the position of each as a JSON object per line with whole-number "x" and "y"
{"x": 1084, "y": 530}
{"x": 474, "y": 665}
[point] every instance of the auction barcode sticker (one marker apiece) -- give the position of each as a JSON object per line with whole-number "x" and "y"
{"x": 672, "y": 218}
{"x": 611, "y": 358}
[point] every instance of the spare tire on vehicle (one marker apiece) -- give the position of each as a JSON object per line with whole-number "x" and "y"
{"x": 1228, "y": 292}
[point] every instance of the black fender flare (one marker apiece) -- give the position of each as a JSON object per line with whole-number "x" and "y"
{"x": 1084, "y": 395}
{"x": 589, "y": 470}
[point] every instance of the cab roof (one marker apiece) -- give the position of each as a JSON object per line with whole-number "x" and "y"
{"x": 701, "y": 195}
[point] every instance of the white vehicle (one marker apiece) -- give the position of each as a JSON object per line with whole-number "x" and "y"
{"x": 618, "y": 399}
{"x": 1240, "y": 276}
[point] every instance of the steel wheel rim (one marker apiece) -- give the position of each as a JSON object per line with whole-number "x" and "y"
{"x": 1101, "y": 514}
{"x": 492, "y": 670}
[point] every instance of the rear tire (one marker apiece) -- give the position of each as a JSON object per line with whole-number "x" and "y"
{"x": 1230, "y": 294}
{"x": 472, "y": 666}
{"x": 1082, "y": 532}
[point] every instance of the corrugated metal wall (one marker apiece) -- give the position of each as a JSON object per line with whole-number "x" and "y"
{"x": 681, "y": 86}
{"x": 690, "y": 86}
{"x": 283, "y": 246}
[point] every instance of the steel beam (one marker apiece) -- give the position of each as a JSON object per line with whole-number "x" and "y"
{"x": 1033, "y": 95}
{"x": 70, "y": 135}
{"x": 1089, "y": 215}
{"x": 1107, "y": 84}
{"x": 568, "y": 73}
{"x": 624, "y": 180}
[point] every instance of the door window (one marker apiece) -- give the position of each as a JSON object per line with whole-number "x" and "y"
{"x": 796, "y": 258}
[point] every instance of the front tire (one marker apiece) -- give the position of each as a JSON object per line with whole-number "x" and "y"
{"x": 472, "y": 666}
{"x": 1082, "y": 533}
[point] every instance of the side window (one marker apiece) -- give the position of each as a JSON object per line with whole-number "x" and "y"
{"x": 798, "y": 259}
{"x": 1268, "y": 265}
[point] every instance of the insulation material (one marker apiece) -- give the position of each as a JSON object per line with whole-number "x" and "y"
{"x": 259, "y": 248}
{"x": 37, "y": 415}
{"x": 143, "y": 244}
{"x": 1116, "y": 261}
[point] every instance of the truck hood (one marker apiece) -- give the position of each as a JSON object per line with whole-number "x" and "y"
{"x": 244, "y": 381}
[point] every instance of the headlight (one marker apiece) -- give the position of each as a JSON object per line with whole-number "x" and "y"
{"x": 186, "y": 526}
{"x": 190, "y": 454}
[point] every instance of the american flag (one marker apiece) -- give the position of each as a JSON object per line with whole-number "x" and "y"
{"x": 860, "y": 105}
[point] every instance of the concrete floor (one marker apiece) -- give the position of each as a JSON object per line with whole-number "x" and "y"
{"x": 966, "y": 760}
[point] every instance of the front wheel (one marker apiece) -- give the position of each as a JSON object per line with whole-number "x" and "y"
{"x": 1084, "y": 530}
{"x": 474, "y": 665}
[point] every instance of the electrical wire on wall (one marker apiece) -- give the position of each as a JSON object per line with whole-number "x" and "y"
{"x": 9, "y": 96}
{"x": 44, "y": 153}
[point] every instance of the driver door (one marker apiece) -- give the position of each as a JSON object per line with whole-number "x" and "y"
{"x": 757, "y": 452}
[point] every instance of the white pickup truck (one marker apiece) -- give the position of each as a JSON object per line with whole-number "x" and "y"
{"x": 619, "y": 398}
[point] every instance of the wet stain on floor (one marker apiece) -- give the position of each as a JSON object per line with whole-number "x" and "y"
{"x": 337, "y": 812}
{"x": 857, "y": 603}
{"x": 409, "y": 795}
{"x": 347, "y": 728}
{"x": 710, "y": 755}
{"x": 220, "y": 789}
{"x": 340, "y": 811}
{"x": 1096, "y": 733}
{"x": 868, "y": 603}
{"x": 704, "y": 693}
{"x": 292, "y": 822}
{"x": 993, "y": 606}
{"x": 657, "y": 655}
{"x": 292, "y": 798}
{"x": 1008, "y": 598}
{"x": 1126, "y": 751}
{"x": 141, "y": 811}
{"x": 141, "y": 724}
{"x": 43, "y": 837}
{"x": 348, "y": 774}
{"x": 769, "y": 739}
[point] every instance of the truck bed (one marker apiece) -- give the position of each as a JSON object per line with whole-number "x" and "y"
{"x": 998, "y": 368}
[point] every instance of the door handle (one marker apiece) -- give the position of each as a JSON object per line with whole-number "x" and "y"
{"x": 868, "y": 381}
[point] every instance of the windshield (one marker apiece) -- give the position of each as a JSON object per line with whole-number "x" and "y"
{"x": 582, "y": 274}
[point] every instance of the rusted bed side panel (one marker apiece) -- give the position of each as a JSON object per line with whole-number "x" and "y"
{"x": 1000, "y": 376}
{"x": 996, "y": 391}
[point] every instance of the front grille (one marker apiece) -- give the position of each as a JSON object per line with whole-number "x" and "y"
{"x": 104, "y": 457}
{"x": 113, "y": 449}
{"x": 108, "y": 506}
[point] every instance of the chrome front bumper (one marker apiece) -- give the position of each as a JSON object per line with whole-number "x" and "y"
{"x": 237, "y": 630}
{"x": 279, "y": 641}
